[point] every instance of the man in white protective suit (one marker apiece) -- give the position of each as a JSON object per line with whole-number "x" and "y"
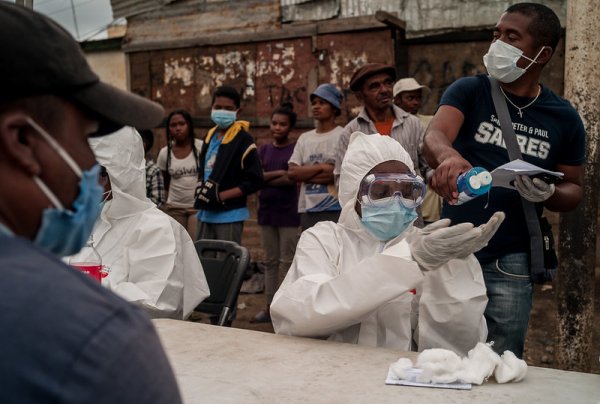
{"x": 351, "y": 281}
{"x": 150, "y": 258}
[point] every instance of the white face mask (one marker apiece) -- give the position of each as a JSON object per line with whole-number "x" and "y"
{"x": 501, "y": 61}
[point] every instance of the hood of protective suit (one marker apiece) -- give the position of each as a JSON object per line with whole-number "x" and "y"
{"x": 365, "y": 152}
{"x": 122, "y": 153}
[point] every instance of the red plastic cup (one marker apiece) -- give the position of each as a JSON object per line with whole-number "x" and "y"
{"x": 92, "y": 269}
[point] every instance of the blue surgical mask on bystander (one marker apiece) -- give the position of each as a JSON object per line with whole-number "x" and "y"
{"x": 223, "y": 118}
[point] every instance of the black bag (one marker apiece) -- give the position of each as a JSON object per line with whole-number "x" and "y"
{"x": 550, "y": 258}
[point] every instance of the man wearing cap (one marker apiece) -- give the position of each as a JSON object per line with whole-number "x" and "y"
{"x": 313, "y": 160}
{"x": 64, "y": 338}
{"x": 409, "y": 95}
{"x": 372, "y": 85}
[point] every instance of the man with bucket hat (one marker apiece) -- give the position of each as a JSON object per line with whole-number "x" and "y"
{"x": 372, "y": 85}
{"x": 313, "y": 159}
{"x": 64, "y": 338}
{"x": 409, "y": 95}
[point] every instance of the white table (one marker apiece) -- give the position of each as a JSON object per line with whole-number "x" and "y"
{"x": 227, "y": 365}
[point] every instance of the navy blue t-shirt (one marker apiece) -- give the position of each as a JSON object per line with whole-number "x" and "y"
{"x": 549, "y": 133}
{"x": 66, "y": 339}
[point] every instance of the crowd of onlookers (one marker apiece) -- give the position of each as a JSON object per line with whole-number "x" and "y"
{"x": 296, "y": 181}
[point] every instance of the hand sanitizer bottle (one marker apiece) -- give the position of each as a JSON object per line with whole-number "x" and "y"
{"x": 473, "y": 183}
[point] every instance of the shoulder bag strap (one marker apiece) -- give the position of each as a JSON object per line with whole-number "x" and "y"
{"x": 537, "y": 269}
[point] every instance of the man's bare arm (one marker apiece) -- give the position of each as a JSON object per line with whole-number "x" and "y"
{"x": 568, "y": 193}
{"x": 439, "y": 153}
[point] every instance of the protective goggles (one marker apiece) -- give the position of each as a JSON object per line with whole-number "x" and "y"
{"x": 384, "y": 189}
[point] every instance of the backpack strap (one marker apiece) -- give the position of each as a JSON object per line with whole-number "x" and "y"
{"x": 537, "y": 268}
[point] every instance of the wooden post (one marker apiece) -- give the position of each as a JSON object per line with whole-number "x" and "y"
{"x": 577, "y": 250}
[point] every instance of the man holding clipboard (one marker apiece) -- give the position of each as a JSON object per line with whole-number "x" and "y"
{"x": 466, "y": 132}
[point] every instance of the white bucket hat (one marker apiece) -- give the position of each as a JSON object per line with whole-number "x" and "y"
{"x": 410, "y": 84}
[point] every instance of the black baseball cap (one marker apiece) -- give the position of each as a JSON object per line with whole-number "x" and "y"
{"x": 41, "y": 57}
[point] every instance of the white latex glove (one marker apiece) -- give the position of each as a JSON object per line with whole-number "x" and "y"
{"x": 444, "y": 366}
{"x": 535, "y": 190}
{"x": 510, "y": 369}
{"x": 487, "y": 232}
{"x": 437, "y": 243}
{"x": 479, "y": 365}
{"x": 439, "y": 366}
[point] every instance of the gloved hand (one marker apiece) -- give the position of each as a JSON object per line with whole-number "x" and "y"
{"x": 487, "y": 232}
{"x": 534, "y": 190}
{"x": 207, "y": 195}
{"x": 438, "y": 243}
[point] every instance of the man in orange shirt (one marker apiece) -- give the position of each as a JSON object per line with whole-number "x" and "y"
{"x": 372, "y": 84}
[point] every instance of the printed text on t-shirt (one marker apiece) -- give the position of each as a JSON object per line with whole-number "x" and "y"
{"x": 489, "y": 133}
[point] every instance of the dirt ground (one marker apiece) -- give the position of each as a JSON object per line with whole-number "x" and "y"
{"x": 540, "y": 344}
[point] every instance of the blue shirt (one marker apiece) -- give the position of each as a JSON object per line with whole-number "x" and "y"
{"x": 229, "y": 216}
{"x": 549, "y": 133}
{"x": 66, "y": 339}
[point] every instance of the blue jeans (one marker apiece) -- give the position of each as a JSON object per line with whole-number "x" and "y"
{"x": 510, "y": 294}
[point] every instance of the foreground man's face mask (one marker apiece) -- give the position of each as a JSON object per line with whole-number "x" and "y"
{"x": 501, "y": 61}
{"x": 389, "y": 203}
{"x": 64, "y": 232}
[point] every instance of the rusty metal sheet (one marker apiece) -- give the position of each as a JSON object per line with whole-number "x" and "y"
{"x": 339, "y": 55}
{"x": 183, "y": 21}
{"x": 265, "y": 73}
{"x": 355, "y": 8}
{"x": 128, "y": 8}
{"x": 313, "y": 10}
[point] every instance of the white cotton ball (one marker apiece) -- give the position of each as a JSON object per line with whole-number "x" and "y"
{"x": 510, "y": 369}
{"x": 401, "y": 368}
{"x": 479, "y": 365}
{"x": 438, "y": 365}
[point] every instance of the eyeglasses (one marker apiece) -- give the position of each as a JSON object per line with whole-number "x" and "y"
{"x": 384, "y": 189}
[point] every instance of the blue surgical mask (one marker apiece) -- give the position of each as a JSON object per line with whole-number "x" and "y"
{"x": 387, "y": 222}
{"x": 64, "y": 232}
{"x": 223, "y": 118}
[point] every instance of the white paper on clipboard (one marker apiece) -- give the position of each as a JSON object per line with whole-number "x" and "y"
{"x": 414, "y": 372}
{"x": 504, "y": 175}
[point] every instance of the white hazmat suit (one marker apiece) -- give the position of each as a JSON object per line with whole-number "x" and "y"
{"x": 347, "y": 285}
{"x": 151, "y": 259}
